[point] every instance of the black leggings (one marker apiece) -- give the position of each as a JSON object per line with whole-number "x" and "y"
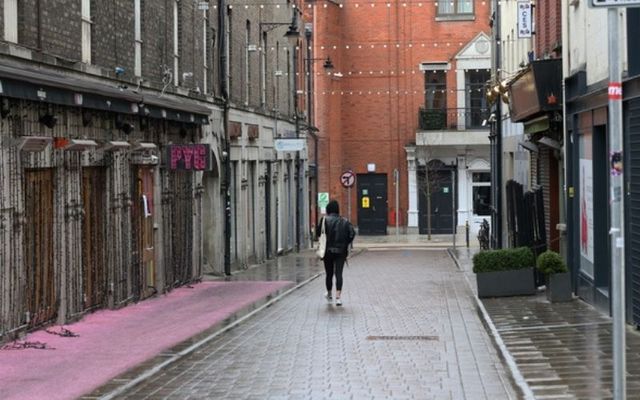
{"x": 331, "y": 261}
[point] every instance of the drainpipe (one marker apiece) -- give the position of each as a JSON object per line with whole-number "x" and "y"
{"x": 222, "y": 57}
{"x": 311, "y": 127}
{"x": 299, "y": 171}
{"x": 496, "y": 186}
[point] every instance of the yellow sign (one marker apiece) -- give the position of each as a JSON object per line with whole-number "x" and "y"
{"x": 365, "y": 202}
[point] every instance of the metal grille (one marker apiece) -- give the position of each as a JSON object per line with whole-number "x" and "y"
{"x": 177, "y": 203}
{"x": 40, "y": 288}
{"x": 93, "y": 237}
{"x": 432, "y": 338}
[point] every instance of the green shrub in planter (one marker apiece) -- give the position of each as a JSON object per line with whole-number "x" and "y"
{"x": 550, "y": 263}
{"x": 505, "y": 272}
{"x": 558, "y": 278}
{"x": 503, "y": 260}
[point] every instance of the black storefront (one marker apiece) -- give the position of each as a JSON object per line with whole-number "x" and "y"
{"x": 535, "y": 99}
{"x": 588, "y": 168}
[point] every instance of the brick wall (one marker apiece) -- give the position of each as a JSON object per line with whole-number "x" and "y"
{"x": 2, "y": 20}
{"x": 112, "y": 37}
{"x": 57, "y": 29}
{"x": 548, "y": 28}
{"x": 357, "y": 129}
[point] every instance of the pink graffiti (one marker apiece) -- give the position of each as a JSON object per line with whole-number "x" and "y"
{"x": 193, "y": 156}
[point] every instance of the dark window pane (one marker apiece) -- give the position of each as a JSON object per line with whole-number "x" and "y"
{"x": 481, "y": 177}
{"x": 482, "y": 200}
{"x": 436, "y": 90}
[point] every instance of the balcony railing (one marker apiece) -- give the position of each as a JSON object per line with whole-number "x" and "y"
{"x": 452, "y": 118}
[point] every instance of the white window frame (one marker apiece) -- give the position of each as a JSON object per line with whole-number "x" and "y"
{"x": 11, "y": 21}
{"x": 455, "y": 7}
{"x": 474, "y": 185}
{"x": 176, "y": 45}
{"x": 263, "y": 71}
{"x": 137, "y": 67}
{"x": 247, "y": 74}
{"x": 205, "y": 55}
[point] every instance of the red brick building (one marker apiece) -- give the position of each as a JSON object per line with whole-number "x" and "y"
{"x": 391, "y": 60}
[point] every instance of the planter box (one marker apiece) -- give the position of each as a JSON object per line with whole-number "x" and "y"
{"x": 517, "y": 282}
{"x": 559, "y": 287}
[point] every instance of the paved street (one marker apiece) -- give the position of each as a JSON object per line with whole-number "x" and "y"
{"x": 408, "y": 330}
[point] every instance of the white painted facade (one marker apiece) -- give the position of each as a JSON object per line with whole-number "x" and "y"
{"x": 468, "y": 149}
{"x": 251, "y": 161}
{"x": 584, "y": 39}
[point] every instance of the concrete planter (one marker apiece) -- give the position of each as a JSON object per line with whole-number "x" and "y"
{"x": 518, "y": 282}
{"x": 559, "y": 287}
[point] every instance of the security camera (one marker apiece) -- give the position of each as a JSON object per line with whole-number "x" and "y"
{"x": 186, "y": 75}
{"x": 119, "y": 71}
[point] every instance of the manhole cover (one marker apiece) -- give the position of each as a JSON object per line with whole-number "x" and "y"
{"x": 403, "y": 338}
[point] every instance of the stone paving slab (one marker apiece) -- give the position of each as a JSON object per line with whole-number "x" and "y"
{"x": 563, "y": 350}
{"x": 430, "y": 342}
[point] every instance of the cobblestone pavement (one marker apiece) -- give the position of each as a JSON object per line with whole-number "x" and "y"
{"x": 561, "y": 350}
{"x": 408, "y": 329}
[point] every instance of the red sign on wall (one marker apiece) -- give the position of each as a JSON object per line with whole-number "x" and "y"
{"x": 189, "y": 157}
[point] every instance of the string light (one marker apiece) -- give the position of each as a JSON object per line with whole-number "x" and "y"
{"x": 372, "y": 4}
{"x": 398, "y": 72}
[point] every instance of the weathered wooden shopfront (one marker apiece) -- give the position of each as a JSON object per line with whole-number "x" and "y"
{"x": 99, "y": 204}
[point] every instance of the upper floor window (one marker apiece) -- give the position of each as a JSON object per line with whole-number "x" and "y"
{"x": 247, "y": 65}
{"x": 455, "y": 7}
{"x": 435, "y": 90}
{"x": 137, "y": 27}
{"x": 176, "y": 42}
{"x": 475, "y": 81}
{"x": 11, "y": 21}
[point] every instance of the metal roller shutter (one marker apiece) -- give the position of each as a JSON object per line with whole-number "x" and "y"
{"x": 633, "y": 206}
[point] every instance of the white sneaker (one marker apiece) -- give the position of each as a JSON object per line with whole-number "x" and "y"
{"x": 338, "y": 301}
{"x": 327, "y": 295}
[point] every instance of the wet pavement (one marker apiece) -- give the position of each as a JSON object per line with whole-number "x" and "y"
{"x": 408, "y": 329}
{"x": 561, "y": 350}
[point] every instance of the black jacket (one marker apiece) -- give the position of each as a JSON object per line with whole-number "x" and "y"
{"x": 340, "y": 234}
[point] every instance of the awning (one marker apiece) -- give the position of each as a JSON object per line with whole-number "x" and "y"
{"x": 537, "y": 91}
{"x": 49, "y": 87}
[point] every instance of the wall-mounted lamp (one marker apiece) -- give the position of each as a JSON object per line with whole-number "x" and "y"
{"x": 292, "y": 33}
{"x": 5, "y": 108}
{"x": 87, "y": 118}
{"x": 49, "y": 120}
{"x": 124, "y": 126}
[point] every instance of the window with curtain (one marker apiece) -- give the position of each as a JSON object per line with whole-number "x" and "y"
{"x": 435, "y": 90}
{"x": 475, "y": 81}
{"x": 455, "y": 7}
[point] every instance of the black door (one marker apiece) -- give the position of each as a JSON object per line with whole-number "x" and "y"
{"x": 372, "y": 204}
{"x": 439, "y": 186}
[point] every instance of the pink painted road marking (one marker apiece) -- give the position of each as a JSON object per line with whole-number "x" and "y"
{"x": 113, "y": 341}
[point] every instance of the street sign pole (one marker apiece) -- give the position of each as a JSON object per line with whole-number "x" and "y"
{"x": 396, "y": 178}
{"x": 617, "y": 207}
{"x": 349, "y": 203}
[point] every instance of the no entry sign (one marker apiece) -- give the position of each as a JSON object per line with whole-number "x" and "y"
{"x": 347, "y": 179}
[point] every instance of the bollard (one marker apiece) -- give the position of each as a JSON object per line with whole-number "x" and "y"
{"x": 466, "y": 227}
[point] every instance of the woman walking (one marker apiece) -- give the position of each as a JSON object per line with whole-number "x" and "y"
{"x": 340, "y": 234}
